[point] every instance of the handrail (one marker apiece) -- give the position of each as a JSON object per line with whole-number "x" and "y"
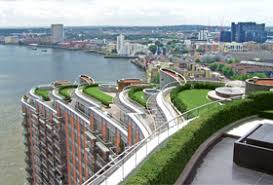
{"x": 153, "y": 135}
{"x": 100, "y": 176}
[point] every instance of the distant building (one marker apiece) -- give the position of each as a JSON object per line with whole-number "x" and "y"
{"x": 203, "y": 35}
{"x": 57, "y": 33}
{"x": 11, "y": 40}
{"x": 125, "y": 48}
{"x": 233, "y": 47}
{"x": 248, "y": 31}
{"x": 225, "y": 36}
{"x": 121, "y": 45}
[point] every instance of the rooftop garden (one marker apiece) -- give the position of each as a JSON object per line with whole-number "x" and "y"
{"x": 66, "y": 91}
{"x": 137, "y": 94}
{"x": 191, "y": 96}
{"x": 44, "y": 93}
{"x": 94, "y": 92}
{"x": 166, "y": 164}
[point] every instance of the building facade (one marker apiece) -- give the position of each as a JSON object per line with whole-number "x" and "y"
{"x": 57, "y": 33}
{"x": 67, "y": 141}
{"x": 248, "y": 31}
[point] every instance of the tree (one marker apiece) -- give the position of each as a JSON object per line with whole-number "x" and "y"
{"x": 198, "y": 60}
{"x": 153, "y": 48}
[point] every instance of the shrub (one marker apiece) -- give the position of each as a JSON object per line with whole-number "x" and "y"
{"x": 165, "y": 165}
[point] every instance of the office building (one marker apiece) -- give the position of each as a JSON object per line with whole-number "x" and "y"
{"x": 248, "y": 31}
{"x": 57, "y": 33}
{"x": 225, "y": 36}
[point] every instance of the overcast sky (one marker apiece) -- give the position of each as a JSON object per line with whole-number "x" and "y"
{"x": 133, "y": 12}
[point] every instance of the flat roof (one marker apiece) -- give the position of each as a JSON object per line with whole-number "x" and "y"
{"x": 263, "y": 134}
{"x": 268, "y": 82}
{"x": 217, "y": 167}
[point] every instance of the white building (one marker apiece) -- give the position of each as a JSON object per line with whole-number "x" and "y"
{"x": 233, "y": 47}
{"x": 11, "y": 40}
{"x": 203, "y": 35}
{"x": 131, "y": 49}
{"x": 126, "y": 48}
{"x": 57, "y": 33}
{"x": 121, "y": 45}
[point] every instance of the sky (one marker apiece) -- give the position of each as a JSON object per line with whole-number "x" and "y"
{"x": 35, "y": 13}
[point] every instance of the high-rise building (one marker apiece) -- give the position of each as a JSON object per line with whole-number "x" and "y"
{"x": 248, "y": 31}
{"x": 203, "y": 35}
{"x": 69, "y": 139}
{"x": 225, "y": 36}
{"x": 57, "y": 33}
{"x": 121, "y": 44}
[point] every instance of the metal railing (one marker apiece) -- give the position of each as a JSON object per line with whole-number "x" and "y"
{"x": 117, "y": 169}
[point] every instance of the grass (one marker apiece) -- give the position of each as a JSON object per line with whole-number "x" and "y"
{"x": 137, "y": 95}
{"x": 44, "y": 93}
{"x": 140, "y": 98}
{"x": 193, "y": 98}
{"x": 66, "y": 91}
{"x": 95, "y": 92}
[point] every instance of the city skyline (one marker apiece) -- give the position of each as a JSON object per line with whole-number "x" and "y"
{"x": 29, "y": 13}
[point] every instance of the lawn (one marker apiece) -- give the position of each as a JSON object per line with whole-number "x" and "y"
{"x": 95, "y": 92}
{"x": 137, "y": 94}
{"x": 193, "y": 98}
{"x": 44, "y": 93}
{"x": 66, "y": 91}
{"x": 140, "y": 98}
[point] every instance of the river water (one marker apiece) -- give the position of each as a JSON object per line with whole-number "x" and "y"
{"x": 22, "y": 68}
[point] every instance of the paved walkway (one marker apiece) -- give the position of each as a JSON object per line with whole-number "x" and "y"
{"x": 217, "y": 168}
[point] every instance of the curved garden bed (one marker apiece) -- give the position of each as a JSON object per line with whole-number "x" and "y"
{"x": 190, "y": 96}
{"x": 66, "y": 91}
{"x": 94, "y": 92}
{"x": 44, "y": 93}
{"x": 137, "y": 94}
{"x": 165, "y": 165}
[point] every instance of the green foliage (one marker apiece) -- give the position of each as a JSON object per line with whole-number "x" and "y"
{"x": 177, "y": 98}
{"x": 137, "y": 94}
{"x": 153, "y": 48}
{"x": 44, "y": 93}
{"x": 66, "y": 91}
{"x": 198, "y": 60}
{"x": 222, "y": 68}
{"x": 248, "y": 76}
{"x": 94, "y": 91}
{"x": 266, "y": 114}
{"x": 165, "y": 165}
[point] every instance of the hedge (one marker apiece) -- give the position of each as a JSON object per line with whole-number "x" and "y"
{"x": 134, "y": 95}
{"x": 165, "y": 165}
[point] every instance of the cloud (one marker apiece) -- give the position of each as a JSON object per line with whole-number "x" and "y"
{"x": 129, "y": 12}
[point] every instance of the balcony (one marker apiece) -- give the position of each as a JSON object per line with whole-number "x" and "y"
{"x": 57, "y": 147}
{"x": 26, "y": 142}
{"x": 28, "y": 169}
{"x": 27, "y": 160}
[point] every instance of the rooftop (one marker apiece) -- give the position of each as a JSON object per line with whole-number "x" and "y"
{"x": 95, "y": 92}
{"x": 218, "y": 168}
